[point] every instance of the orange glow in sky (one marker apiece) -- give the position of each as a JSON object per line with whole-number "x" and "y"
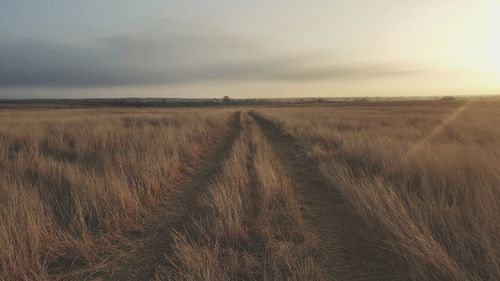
{"x": 249, "y": 48}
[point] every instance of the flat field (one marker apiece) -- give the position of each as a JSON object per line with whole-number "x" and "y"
{"x": 406, "y": 190}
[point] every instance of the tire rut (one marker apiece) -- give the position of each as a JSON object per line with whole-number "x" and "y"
{"x": 346, "y": 250}
{"x": 154, "y": 246}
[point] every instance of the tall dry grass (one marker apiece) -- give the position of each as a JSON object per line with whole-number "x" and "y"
{"x": 71, "y": 177}
{"x": 249, "y": 225}
{"x": 425, "y": 177}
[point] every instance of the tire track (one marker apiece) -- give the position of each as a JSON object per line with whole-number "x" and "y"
{"x": 150, "y": 249}
{"x": 217, "y": 226}
{"x": 346, "y": 250}
{"x": 251, "y": 228}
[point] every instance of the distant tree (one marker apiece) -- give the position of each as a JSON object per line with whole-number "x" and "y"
{"x": 226, "y": 99}
{"x": 448, "y": 98}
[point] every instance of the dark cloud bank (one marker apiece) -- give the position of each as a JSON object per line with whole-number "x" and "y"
{"x": 165, "y": 59}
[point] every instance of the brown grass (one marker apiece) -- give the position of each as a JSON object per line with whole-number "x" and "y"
{"x": 70, "y": 178}
{"x": 421, "y": 178}
{"x": 250, "y": 227}
{"x": 426, "y": 178}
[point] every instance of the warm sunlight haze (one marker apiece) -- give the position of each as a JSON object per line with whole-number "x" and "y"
{"x": 231, "y": 140}
{"x": 249, "y": 49}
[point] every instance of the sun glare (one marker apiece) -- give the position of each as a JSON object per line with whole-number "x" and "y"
{"x": 494, "y": 6}
{"x": 492, "y": 40}
{"x": 494, "y": 50}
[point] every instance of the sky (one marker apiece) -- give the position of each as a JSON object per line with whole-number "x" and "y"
{"x": 248, "y": 49}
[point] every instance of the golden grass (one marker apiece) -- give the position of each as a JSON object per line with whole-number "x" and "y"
{"x": 250, "y": 227}
{"x": 425, "y": 177}
{"x": 68, "y": 177}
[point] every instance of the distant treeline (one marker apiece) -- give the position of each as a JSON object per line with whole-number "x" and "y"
{"x": 212, "y": 102}
{"x": 156, "y": 102}
{"x": 144, "y": 102}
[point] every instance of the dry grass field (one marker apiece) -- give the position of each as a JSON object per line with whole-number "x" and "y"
{"x": 351, "y": 191}
{"x": 424, "y": 177}
{"x": 71, "y": 180}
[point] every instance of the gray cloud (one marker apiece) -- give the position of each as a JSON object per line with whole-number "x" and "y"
{"x": 166, "y": 58}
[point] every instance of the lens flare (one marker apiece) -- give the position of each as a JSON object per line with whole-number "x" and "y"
{"x": 417, "y": 147}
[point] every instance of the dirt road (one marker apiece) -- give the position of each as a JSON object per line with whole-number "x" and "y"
{"x": 343, "y": 248}
{"x": 347, "y": 251}
{"x": 147, "y": 249}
